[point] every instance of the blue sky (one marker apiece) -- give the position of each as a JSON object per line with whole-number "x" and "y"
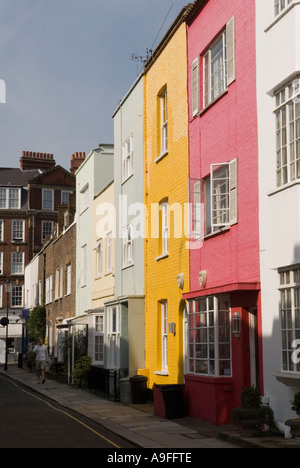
{"x": 66, "y": 65}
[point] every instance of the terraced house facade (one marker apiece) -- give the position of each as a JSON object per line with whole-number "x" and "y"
{"x": 187, "y": 242}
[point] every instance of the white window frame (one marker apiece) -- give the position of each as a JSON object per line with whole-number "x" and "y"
{"x": 164, "y": 122}
{"x": 84, "y": 265}
{"x": 128, "y": 246}
{"x": 1, "y": 263}
{"x": 16, "y": 297}
{"x": 1, "y": 296}
{"x": 15, "y": 229}
{"x": 281, "y": 5}
{"x": 99, "y": 258}
{"x": 65, "y": 194}
{"x": 127, "y": 159}
{"x": 61, "y": 282}
{"x": 44, "y": 232}
{"x": 84, "y": 198}
{"x": 17, "y": 263}
{"x": 213, "y": 208}
{"x": 57, "y": 282}
{"x": 164, "y": 335}
{"x": 8, "y": 198}
{"x": 69, "y": 279}
{"x": 109, "y": 253}
{"x": 217, "y": 81}
{"x": 289, "y": 289}
{"x": 287, "y": 104}
{"x": 164, "y": 207}
{"x": 49, "y": 284}
{"x": 47, "y": 203}
{"x": 195, "y": 87}
{"x": 204, "y": 320}
{"x": 99, "y": 327}
{"x": 40, "y": 293}
{"x": 1, "y": 230}
{"x": 113, "y": 336}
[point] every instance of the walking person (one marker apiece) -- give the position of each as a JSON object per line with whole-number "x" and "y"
{"x": 41, "y": 360}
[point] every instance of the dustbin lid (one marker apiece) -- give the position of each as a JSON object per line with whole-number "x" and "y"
{"x": 138, "y": 378}
{"x": 126, "y": 379}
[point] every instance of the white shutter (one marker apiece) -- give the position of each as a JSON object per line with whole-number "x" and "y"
{"x": 196, "y": 197}
{"x": 195, "y": 86}
{"x": 230, "y": 39}
{"x": 233, "y": 194}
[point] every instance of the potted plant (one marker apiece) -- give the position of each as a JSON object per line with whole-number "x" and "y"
{"x": 252, "y": 413}
{"x": 294, "y": 424}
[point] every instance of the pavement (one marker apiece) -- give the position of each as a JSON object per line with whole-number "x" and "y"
{"x": 137, "y": 423}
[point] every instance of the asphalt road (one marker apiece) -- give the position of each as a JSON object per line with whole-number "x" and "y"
{"x": 28, "y": 420}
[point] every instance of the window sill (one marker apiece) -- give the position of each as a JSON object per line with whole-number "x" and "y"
{"x": 161, "y": 257}
{"x": 126, "y": 180}
{"x": 216, "y": 233}
{"x": 162, "y": 156}
{"x": 127, "y": 266}
{"x": 212, "y": 103}
{"x": 284, "y": 187}
{"x": 164, "y": 373}
{"x": 289, "y": 379}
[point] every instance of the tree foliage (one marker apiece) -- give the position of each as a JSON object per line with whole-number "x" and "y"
{"x": 36, "y": 324}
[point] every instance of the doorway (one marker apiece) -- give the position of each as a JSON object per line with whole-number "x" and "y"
{"x": 254, "y": 351}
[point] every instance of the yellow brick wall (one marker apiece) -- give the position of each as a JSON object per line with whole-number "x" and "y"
{"x": 166, "y": 179}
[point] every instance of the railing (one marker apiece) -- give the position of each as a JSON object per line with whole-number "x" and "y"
{"x": 105, "y": 382}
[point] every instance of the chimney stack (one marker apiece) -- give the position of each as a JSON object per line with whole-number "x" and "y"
{"x": 34, "y": 161}
{"x": 76, "y": 161}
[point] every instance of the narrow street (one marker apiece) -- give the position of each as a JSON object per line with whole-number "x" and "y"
{"x": 28, "y": 420}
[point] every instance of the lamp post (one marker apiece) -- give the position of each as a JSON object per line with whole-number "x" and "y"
{"x": 8, "y": 291}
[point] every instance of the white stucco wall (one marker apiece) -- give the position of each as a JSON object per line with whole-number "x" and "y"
{"x": 278, "y": 57}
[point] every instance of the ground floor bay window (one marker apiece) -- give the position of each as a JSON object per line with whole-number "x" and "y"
{"x": 209, "y": 337}
{"x": 290, "y": 318}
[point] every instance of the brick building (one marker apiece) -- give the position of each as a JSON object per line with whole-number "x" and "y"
{"x": 57, "y": 278}
{"x": 30, "y": 197}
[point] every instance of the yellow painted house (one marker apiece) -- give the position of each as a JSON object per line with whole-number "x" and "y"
{"x": 165, "y": 181}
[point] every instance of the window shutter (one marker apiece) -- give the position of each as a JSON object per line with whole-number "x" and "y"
{"x": 233, "y": 194}
{"x": 195, "y": 84}
{"x": 196, "y": 195}
{"x": 230, "y": 39}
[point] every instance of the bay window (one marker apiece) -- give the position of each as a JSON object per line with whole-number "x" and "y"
{"x": 209, "y": 337}
{"x": 289, "y": 316}
{"x": 287, "y": 114}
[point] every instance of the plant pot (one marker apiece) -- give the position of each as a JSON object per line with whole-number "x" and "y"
{"x": 294, "y": 424}
{"x": 250, "y": 418}
{"x": 252, "y": 423}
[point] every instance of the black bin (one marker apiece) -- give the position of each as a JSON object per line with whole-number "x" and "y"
{"x": 139, "y": 389}
{"x": 20, "y": 361}
{"x": 173, "y": 400}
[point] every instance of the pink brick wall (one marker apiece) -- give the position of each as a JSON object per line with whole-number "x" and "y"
{"x": 228, "y": 129}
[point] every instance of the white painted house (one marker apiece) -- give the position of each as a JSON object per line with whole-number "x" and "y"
{"x": 278, "y": 98}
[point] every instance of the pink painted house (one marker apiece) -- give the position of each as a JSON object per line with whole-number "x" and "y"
{"x": 223, "y": 322}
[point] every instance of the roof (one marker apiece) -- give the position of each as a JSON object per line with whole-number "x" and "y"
{"x": 16, "y": 177}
